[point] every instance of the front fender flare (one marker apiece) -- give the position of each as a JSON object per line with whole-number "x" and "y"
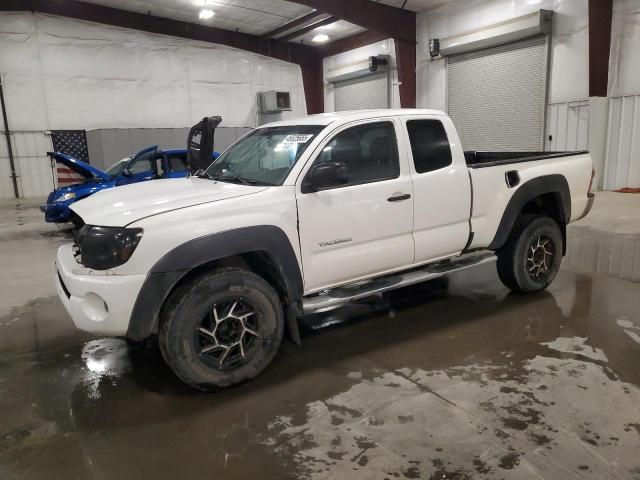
{"x": 177, "y": 263}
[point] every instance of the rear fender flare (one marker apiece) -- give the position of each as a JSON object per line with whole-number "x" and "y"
{"x": 524, "y": 194}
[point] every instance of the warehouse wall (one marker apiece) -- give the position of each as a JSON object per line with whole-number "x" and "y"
{"x": 622, "y": 166}
{"x": 569, "y": 44}
{"x": 568, "y": 111}
{"x": 385, "y": 47}
{"x": 60, "y": 73}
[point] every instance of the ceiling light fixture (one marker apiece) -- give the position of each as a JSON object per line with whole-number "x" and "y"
{"x": 320, "y": 38}
{"x": 328, "y": 27}
{"x": 206, "y": 14}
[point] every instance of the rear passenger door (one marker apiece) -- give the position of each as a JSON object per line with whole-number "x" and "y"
{"x": 441, "y": 185}
{"x": 176, "y": 165}
{"x": 363, "y": 227}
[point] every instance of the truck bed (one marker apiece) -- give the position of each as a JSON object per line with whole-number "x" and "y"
{"x": 490, "y": 159}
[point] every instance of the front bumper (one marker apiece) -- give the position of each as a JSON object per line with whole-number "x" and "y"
{"x": 56, "y": 212}
{"x": 98, "y": 302}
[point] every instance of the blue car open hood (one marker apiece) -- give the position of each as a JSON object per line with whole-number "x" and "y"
{"x": 78, "y": 166}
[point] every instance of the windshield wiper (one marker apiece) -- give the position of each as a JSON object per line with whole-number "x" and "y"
{"x": 233, "y": 178}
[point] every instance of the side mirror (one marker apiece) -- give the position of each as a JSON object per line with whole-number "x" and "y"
{"x": 327, "y": 174}
{"x": 126, "y": 172}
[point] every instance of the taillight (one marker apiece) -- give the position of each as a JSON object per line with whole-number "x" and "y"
{"x": 593, "y": 174}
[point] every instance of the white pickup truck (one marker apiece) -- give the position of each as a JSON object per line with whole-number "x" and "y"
{"x": 303, "y": 216}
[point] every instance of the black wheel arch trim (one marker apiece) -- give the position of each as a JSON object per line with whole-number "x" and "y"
{"x": 177, "y": 263}
{"x": 529, "y": 190}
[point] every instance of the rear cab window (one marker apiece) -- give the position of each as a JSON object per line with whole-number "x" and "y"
{"x": 429, "y": 145}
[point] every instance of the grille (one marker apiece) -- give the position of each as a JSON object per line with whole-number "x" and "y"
{"x": 79, "y": 230}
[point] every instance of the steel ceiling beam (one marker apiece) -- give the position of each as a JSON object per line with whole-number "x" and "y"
{"x": 394, "y": 22}
{"x": 308, "y": 28}
{"x": 302, "y": 21}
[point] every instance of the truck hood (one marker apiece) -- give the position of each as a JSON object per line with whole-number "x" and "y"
{"x": 121, "y": 206}
{"x": 78, "y": 166}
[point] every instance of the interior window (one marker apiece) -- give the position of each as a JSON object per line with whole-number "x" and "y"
{"x": 177, "y": 163}
{"x": 369, "y": 151}
{"x": 429, "y": 145}
{"x": 142, "y": 164}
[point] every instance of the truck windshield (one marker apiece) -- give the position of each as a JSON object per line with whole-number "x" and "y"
{"x": 265, "y": 156}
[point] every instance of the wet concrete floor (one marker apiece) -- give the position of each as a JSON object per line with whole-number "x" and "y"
{"x": 453, "y": 379}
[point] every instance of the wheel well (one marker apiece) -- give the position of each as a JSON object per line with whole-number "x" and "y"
{"x": 258, "y": 262}
{"x": 549, "y": 205}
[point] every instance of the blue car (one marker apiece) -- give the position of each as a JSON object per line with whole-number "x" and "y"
{"x": 148, "y": 164}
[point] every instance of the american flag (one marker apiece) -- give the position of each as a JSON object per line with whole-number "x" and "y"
{"x": 73, "y": 143}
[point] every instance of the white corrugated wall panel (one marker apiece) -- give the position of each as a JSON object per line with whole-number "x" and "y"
{"x": 371, "y": 91}
{"x": 567, "y": 126}
{"x": 497, "y": 96}
{"x": 33, "y": 167}
{"x": 32, "y": 163}
{"x": 6, "y": 185}
{"x": 622, "y": 166}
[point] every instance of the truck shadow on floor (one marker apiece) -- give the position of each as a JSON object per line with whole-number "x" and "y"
{"x": 422, "y": 326}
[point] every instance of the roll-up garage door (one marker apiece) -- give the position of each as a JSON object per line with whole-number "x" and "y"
{"x": 366, "y": 92}
{"x": 497, "y": 96}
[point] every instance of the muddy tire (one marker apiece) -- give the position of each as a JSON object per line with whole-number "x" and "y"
{"x": 221, "y": 328}
{"x": 531, "y": 258}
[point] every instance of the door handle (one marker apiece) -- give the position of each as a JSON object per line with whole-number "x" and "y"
{"x": 399, "y": 198}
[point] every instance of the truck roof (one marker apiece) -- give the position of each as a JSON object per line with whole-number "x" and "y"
{"x": 351, "y": 115}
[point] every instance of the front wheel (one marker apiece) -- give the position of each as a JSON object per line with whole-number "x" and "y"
{"x": 531, "y": 258}
{"x": 221, "y": 329}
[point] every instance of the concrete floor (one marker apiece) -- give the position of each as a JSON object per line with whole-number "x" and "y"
{"x": 454, "y": 379}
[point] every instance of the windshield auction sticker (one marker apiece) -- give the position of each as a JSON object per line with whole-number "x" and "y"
{"x": 296, "y": 138}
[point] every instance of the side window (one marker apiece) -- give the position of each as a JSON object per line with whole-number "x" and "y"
{"x": 177, "y": 163}
{"x": 429, "y": 145}
{"x": 369, "y": 151}
{"x": 142, "y": 164}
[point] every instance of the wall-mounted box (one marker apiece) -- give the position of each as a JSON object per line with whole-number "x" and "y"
{"x": 275, "y": 102}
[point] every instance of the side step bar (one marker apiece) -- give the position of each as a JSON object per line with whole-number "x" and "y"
{"x": 330, "y": 299}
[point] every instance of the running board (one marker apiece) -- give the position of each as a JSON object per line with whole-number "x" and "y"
{"x": 330, "y": 299}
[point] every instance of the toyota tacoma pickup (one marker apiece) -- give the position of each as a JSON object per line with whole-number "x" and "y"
{"x": 303, "y": 216}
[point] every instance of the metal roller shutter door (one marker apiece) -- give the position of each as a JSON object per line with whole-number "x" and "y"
{"x": 497, "y": 96}
{"x": 362, "y": 93}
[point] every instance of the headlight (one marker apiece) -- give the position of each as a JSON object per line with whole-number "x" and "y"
{"x": 65, "y": 196}
{"x": 102, "y": 248}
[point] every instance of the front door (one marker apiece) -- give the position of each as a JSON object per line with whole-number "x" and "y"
{"x": 363, "y": 227}
{"x": 140, "y": 168}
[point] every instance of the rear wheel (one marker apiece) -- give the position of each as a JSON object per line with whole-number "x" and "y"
{"x": 531, "y": 258}
{"x": 221, "y": 329}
